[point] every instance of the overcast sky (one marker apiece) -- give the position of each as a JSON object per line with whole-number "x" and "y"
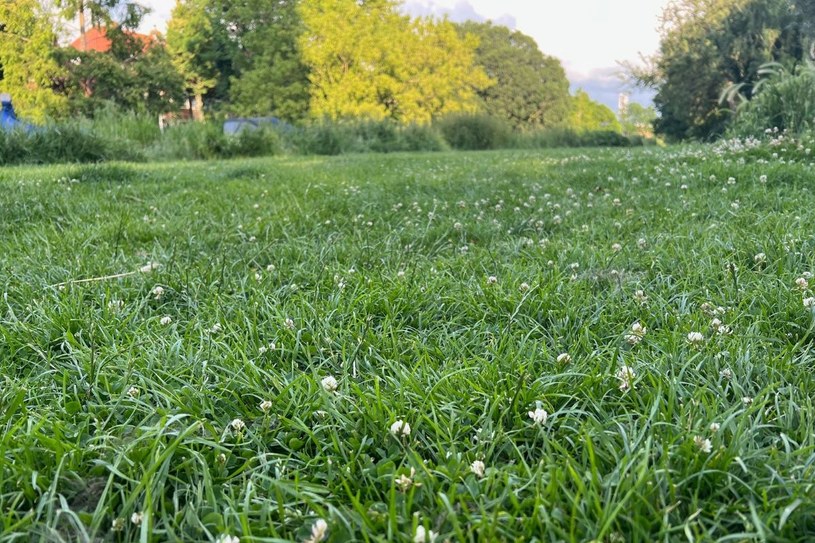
{"x": 588, "y": 36}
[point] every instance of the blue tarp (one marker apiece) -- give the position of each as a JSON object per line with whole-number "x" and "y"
{"x": 8, "y": 119}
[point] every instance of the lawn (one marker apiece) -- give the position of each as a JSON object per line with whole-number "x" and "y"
{"x": 584, "y": 345}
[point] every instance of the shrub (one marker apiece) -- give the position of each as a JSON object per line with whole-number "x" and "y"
{"x": 65, "y": 143}
{"x": 474, "y": 131}
{"x": 786, "y": 101}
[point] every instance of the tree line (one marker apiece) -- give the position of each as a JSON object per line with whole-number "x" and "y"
{"x": 714, "y": 56}
{"x": 295, "y": 60}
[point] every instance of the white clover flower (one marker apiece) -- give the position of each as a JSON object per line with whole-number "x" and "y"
{"x": 405, "y": 482}
{"x": 564, "y": 358}
{"x": 524, "y": 287}
{"x": 424, "y": 536}
{"x": 809, "y": 303}
{"x": 289, "y": 323}
{"x": 400, "y": 274}
{"x": 642, "y": 243}
{"x": 238, "y": 425}
{"x": 492, "y": 280}
{"x": 714, "y": 427}
{"x": 637, "y": 333}
{"x": 695, "y": 338}
{"x": 802, "y": 283}
{"x": 616, "y": 247}
{"x": 640, "y": 297}
{"x": 478, "y": 468}
{"x": 165, "y": 320}
{"x": 137, "y": 518}
{"x": 226, "y": 538}
{"x": 760, "y": 258}
{"x": 265, "y": 405}
{"x": 157, "y": 292}
{"x": 318, "y": 531}
{"x": 150, "y": 266}
{"x": 626, "y": 375}
{"x": 115, "y": 305}
{"x": 400, "y": 428}
{"x": 539, "y": 415}
{"x": 329, "y": 383}
{"x": 726, "y": 373}
{"x": 216, "y": 328}
{"x": 457, "y": 226}
{"x": 270, "y": 268}
{"x": 133, "y": 392}
{"x": 762, "y": 179}
{"x": 118, "y": 524}
{"x": 703, "y": 444}
{"x": 747, "y": 400}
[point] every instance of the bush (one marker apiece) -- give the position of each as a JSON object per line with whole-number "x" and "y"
{"x": 474, "y": 131}
{"x": 786, "y": 102}
{"x": 334, "y": 138}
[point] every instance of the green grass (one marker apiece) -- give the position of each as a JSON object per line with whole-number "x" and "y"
{"x": 382, "y": 263}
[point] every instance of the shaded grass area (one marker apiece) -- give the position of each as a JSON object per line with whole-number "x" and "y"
{"x": 439, "y": 290}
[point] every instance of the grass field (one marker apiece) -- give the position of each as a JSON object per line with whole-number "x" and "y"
{"x": 500, "y": 346}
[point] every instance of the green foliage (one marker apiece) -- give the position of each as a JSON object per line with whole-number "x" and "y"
{"x": 531, "y": 90}
{"x": 334, "y": 138}
{"x": 27, "y": 50}
{"x": 54, "y": 144}
{"x": 559, "y": 137}
{"x": 474, "y": 131}
{"x": 368, "y": 61}
{"x": 709, "y": 45}
{"x": 638, "y": 120}
{"x": 272, "y": 79}
{"x": 588, "y": 115}
{"x": 784, "y": 102}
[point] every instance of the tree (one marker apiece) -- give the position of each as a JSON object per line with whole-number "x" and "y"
{"x": 588, "y": 116}
{"x": 367, "y": 60}
{"x": 638, "y": 120}
{"x": 531, "y": 89}
{"x": 270, "y": 78}
{"x": 27, "y": 46}
{"x": 710, "y": 46}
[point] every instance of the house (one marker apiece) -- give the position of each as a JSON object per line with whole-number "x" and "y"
{"x": 96, "y": 39}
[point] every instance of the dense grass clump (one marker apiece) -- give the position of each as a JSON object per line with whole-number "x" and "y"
{"x": 784, "y": 102}
{"x": 503, "y": 346}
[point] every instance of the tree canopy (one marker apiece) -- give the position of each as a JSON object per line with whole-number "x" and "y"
{"x": 531, "y": 89}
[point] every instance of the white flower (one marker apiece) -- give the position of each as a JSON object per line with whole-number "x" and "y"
{"x": 626, "y": 375}
{"x": 150, "y": 266}
{"x": 270, "y": 268}
{"x": 637, "y": 333}
{"x": 157, "y": 292}
{"x": 640, "y": 297}
{"x": 478, "y": 468}
{"x": 238, "y": 425}
{"x": 216, "y": 328}
{"x": 115, "y": 305}
{"x": 137, "y": 518}
{"x": 763, "y": 179}
{"x": 616, "y": 247}
{"x": 564, "y": 358}
{"x": 760, "y": 258}
{"x": 714, "y": 427}
{"x": 289, "y": 323}
{"x": 802, "y": 283}
{"x": 726, "y": 373}
{"x": 405, "y": 482}
{"x": 329, "y": 383}
{"x": 524, "y": 287}
{"x": 400, "y": 428}
{"x": 538, "y": 416}
{"x": 424, "y": 536}
{"x": 457, "y": 226}
{"x": 747, "y": 400}
{"x": 318, "y": 531}
{"x": 809, "y": 303}
{"x": 165, "y": 320}
{"x": 642, "y": 243}
{"x": 133, "y": 392}
{"x": 265, "y": 405}
{"x": 492, "y": 279}
{"x": 703, "y": 444}
{"x": 695, "y": 338}
{"x": 118, "y": 524}
{"x": 226, "y": 538}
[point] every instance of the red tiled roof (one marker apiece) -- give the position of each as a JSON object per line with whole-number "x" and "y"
{"x": 97, "y": 40}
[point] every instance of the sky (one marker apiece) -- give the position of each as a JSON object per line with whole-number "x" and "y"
{"x": 590, "y": 37}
